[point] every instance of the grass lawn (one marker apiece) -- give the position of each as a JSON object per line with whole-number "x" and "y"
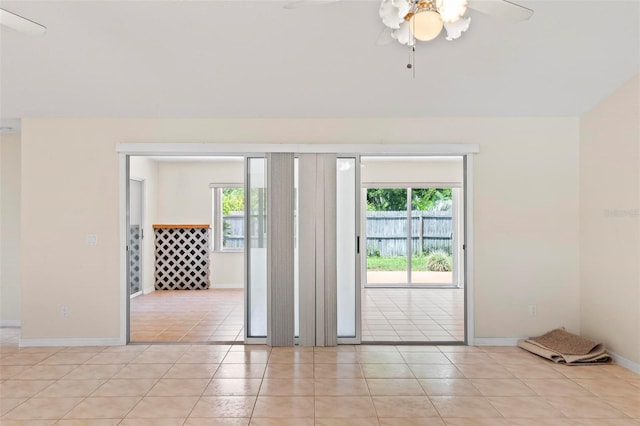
{"x": 398, "y": 263}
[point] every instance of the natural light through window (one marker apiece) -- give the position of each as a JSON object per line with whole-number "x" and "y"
{"x": 228, "y": 217}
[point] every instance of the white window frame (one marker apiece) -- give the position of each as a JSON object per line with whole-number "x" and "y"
{"x": 216, "y": 217}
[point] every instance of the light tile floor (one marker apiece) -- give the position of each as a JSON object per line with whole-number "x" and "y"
{"x": 412, "y": 314}
{"x": 214, "y": 315}
{"x": 388, "y": 315}
{"x": 348, "y": 385}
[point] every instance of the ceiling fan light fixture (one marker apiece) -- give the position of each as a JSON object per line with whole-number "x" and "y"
{"x": 403, "y": 35}
{"x": 425, "y": 24}
{"x": 451, "y": 10}
{"x": 409, "y": 21}
{"x": 390, "y": 14}
{"x": 403, "y": 7}
{"x": 455, "y": 30}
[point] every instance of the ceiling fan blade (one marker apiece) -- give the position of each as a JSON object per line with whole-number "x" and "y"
{"x": 384, "y": 38}
{"x": 502, "y": 9}
{"x": 305, "y": 3}
{"x": 20, "y": 24}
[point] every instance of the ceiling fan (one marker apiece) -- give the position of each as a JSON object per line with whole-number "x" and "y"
{"x": 408, "y": 21}
{"x": 21, "y": 24}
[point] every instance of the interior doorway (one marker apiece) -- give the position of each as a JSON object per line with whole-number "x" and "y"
{"x": 184, "y": 199}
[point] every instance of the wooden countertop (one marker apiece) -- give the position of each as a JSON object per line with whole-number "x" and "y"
{"x": 161, "y": 226}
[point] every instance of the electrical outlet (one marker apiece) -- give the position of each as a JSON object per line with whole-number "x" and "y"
{"x": 64, "y": 311}
{"x": 92, "y": 240}
{"x": 533, "y": 311}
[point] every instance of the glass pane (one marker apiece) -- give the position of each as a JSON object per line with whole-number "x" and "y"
{"x": 257, "y": 254}
{"x": 431, "y": 236}
{"x": 386, "y": 228}
{"x": 232, "y": 206}
{"x": 346, "y": 246}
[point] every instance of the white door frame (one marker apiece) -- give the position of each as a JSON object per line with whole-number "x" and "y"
{"x": 125, "y": 150}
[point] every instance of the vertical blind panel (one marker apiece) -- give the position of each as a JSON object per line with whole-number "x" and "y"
{"x": 320, "y": 253}
{"x": 329, "y": 248}
{"x": 307, "y": 247}
{"x": 280, "y": 221}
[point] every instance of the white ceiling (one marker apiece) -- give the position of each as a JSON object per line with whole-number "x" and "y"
{"x": 197, "y": 59}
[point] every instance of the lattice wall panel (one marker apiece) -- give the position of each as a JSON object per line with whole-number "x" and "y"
{"x": 182, "y": 258}
{"x": 134, "y": 258}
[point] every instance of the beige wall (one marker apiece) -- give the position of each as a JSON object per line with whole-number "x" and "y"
{"x": 609, "y": 221}
{"x": 145, "y": 169}
{"x": 433, "y": 171}
{"x": 184, "y": 196}
{"x": 10, "y": 229}
{"x": 526, "y": 205}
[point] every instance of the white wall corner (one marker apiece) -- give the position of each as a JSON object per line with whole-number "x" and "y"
{"x": 72, "y": 342}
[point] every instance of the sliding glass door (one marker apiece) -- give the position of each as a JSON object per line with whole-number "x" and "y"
{"x": 410, "y": 236}
{"x": 256, "y": 252}
{"x": 410, "y": 241}
{"x": 347, "y": 250}
{"x": 432, "y": 238}
{"x": 387, "y": 227}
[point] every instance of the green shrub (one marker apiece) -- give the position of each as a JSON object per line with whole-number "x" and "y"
{"x": 438, "y": 261}
{"x": 373, "y": 252}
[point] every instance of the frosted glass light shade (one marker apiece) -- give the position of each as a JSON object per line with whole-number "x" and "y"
{"x": 451, "y": 10}
{"x": 425, "y": 25}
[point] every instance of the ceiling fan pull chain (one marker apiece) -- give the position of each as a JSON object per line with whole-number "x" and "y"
{"x": 412, "y": 60}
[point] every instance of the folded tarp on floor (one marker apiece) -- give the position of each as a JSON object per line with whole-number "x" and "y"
{"x": 563, "y": 347}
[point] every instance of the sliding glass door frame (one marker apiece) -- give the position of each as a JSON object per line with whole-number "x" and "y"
{"x": 125, "y": 150}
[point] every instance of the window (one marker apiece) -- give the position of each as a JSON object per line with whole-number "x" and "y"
{"x": 228, "y": 217}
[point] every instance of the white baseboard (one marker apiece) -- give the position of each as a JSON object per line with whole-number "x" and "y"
{"x": 626, "y": 363}
{"x": 227, "y": 285}
{"x": 148, "y": 290}
{"x": 10, "y": 323}
{"x": 72, "y": 342}
{"x": 496, "y": 341}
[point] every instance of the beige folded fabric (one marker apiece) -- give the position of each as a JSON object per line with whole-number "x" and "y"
{"x": 563, "y": 347}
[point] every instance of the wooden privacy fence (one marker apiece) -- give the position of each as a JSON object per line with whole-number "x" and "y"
{"x": 387, "y": 232}
{"x": 233, "y": 231}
